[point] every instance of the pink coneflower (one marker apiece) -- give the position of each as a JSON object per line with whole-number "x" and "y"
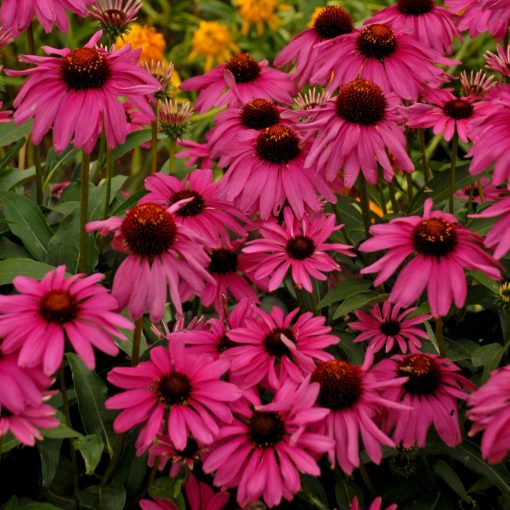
{"x": 18, "y": 14}
{"x": 267, "y": 446}
{"x": 202, "y": 497}
{"x": 476, "y": 85}
{"x": 157, "y": 504}
{"x": 306, "y": 105}
{"x": 24, "y": 425}
{"x": 441, "y": 248}
{"x": 115, "y": 16}
{"x": 481, "y": 192}
{"x": 387, "y": 324}
{"x": 432, "y": 25}
{"x": 269, "y": 349}
{"x": 352, "y": 394}
{"x": 375, "y": 505}
{"x": 197, "y": 154}
{"x": 176, "y": 388}
{"x": 432, "y": 390}
{"x": 48, "y": 312}
{"x": 6, "y": 37}
{"x": 378, "y": 53}
{"x": 331, "y": 21}
{"x": 239, "y": 81}
{"x": 300, "y": 246}
{"x": 267, "y": 171}
{"x": 499, "y": 61}
{"x": 205, "y": 214}
{"x": 498, "y": 238}
{"x": 161, "y": 254}
{"x": 367, "y": 121}
{"x": 77, "y": 94}
{"x": 489, "y": 413}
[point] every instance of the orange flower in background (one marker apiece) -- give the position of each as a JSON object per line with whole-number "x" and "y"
{"x": 213, "y": 41}
{"x": 148, "y": 38}
{"x": 260, "y": 12}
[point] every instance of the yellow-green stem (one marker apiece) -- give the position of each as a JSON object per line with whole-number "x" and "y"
{"x": 453, "y": 166}
{"x": 424, "y": 159}
{"x": 84, "y": 212}
{"x": 410, "y": 185}
{"x": 154, "y": 147}
{"x": 172, "y": 145}
{"x": 365, "y": 204}
{"x": 137, "y": 338}
{"x": 108, "y": 181}
{"x": 440, "y": 337}
{"x": 38, "y": 174}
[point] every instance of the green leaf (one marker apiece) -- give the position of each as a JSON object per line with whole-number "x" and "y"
{"x": 91, "y": 448}
{"x": 314, "y": 492}
{"x": 10, "y": 133}
{"x": 8, "y": 442}
{"x": 91, "y": 393}
{"x": 111, "y": 497}
{"x": 452, "y": 479}
{"x": 166, "y": 488}
{"x": 26, "y": 221}
{"x": 488, "y": 357}
{"x": 10, "y": 268}
{"x": 343, "y": 290}
{"x": 39, "y": 506}
{"x": 10, "y": 250}
{"x": 431, "y": 335}
{"x": 49, "y": 451}
{"x": 345, "y": 491}
{"x": 60, "y": 432}
{"x": 485, "y": 281}
{"x": 133, "y": 140}
{"x": 358, "y": 301}
{"x": 130, "y": 202}
{"x": 12, "y": 504}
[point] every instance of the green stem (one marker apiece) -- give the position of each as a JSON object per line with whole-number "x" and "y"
{"x": 108, "y": 183}
{"x": 424, "y": 159}
{"x": 440, "y": 338}
{"x": 154, "y": 147}
{"x": 366, "y": 479}
{"x": 393, "y": 198}
{"x": 365, "y": 204}
{"x": 137, "y": 338}
{"x": 410, "y": 185}
{"x": 84, "y": 212}
{"x": 38, "y": 174}
{"x": 455, "y": 145}
{"x": 30, "y": 39}
{"x": 470, "y": 198}
{"x": 300, "y": 297}
{"x": 172, "y": 146}
{"x": 117, "y": 452}
{"x": 383, "y": 200}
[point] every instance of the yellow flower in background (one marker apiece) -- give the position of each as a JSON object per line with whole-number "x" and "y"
{"x": 213, "y": 41}
{"x": 148, "y": 38}
{"x": 259, "y": 12}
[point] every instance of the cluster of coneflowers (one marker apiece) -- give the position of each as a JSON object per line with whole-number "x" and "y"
{"x": 255, "y": 395}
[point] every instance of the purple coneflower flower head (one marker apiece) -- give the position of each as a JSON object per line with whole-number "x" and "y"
{"x": 49, "y": 312}
{"x": 239, "y": 81}
{"x": 499, "y": 61}
{"x": 388, "y": 324}
{"x": 481, "y": 192}
{"x": 431, "y": 393}
{"x": 476, "y": 85}
{"x": 115, "y": 16}
{"x": 176, "y": 388}
{"x": 439, "y": 247}
{"x": 299, "y": 246}
{"x": 490, "y": 414}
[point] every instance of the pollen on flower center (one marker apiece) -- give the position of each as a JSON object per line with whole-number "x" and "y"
{"x": 434, "y": 236}
{"x": 415, "y": 7}
{"x": 149, "y": 230}
{"x": 423, "y": 372}
{"x": 174, "y": 388}
{"x": 222, "y": 261}
{"x": 85, "y": 68}
{"x": 193, "y": 207}
{"x": 244, "y": 67}
{"x": 361, "y": 102}
{"x": 266, "y": 428}
{"x": 377, "y": 41}
{"x": 458, "y": 109}
{"x": 390, "y": 328}
{"x": 277, "y": 144}
{"x": 273, "y": 342}
{"x": 340, "y": 384}
{"x": 332, "y": 21}
{"x": 259, "y": 114}
{"x": 300, "y": 247}
{"x": 58, "y": 306}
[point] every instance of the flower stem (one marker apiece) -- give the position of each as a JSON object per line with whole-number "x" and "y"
{"x": 393, "y": 198}
{"x": 410, "y": 185}
{"x": 440, "y": 337}
{"x": 154, "y": 147}
{"x": 300, "y": 297}
{"x": 30, "y": 39}
{"x": 108, "y": 183}
{"x": 84, "y": 211}
{"x": 366, "y": 480}
{"x": 38, "y": 174}
{"x": 455, "y": 146}
{"x": 172, "y": 145}
{"x": 365, "y": 204}
{"x": 424, "y": 159}
{"x": 137, "y": 338}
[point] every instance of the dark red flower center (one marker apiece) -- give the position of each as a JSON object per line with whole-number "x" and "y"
{"x": 458, "y": 109}
{"x": 300, "y": 247}
{"x": 190, "y": 451}
{"x": 85, "y": 68}
{"x": 332, "y": 21}
{"x": 277, "y": 144}
{"x": 340, "y": 384}
{"x": 58, "y": 306}
{"x": 174, "y": 388}
{"x": 265, "y": 428}
{"x": 390, "y": 327}
{"x": 259, "y": 114}
{"x": 415, "y": 7}
{"x": 193, "y": 207}
{"x": 377, "y": 41}
{"x": 5, "y": 413}
{"x": 149, "y": 230}
{"x": 273, "y": 342}
{"x": 434, "y": 236}
{"x": 222, "y": 261}
{"x": 423, "y": 372}
{"x": 225, "y": 343}
{"x": 244, "y": 67}
{"x": 361, "y": 102}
